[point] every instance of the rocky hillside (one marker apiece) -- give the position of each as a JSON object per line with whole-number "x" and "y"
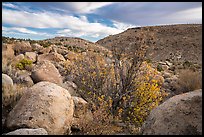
{"x": 173, "y": 42}
{"x": 78, "y": 43}
{"x": 98, "y": 91}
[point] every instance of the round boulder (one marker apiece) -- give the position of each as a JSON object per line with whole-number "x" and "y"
{"x": 27, "y": 131}
{"x": 44, "y": 105}
{"x": 7, "y": 83}
{"x": 7, "y": 89}
{"x": 31, "y": 56}
{"x": 179, "y": 115}
{"x": 46, "y": 71}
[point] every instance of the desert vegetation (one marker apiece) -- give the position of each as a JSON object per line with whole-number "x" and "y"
{"x": 121, "y": 85}
{"x": 189, "y": 80}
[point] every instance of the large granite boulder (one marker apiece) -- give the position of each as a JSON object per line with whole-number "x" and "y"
{"x": 44, "y": 105}
{"x": 179, "y": 115}
{"x": 46, "y": 71}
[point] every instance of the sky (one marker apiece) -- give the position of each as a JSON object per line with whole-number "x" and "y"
{"x": 91, "y": 20}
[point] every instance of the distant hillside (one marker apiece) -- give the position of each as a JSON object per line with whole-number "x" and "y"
{"x": 174, "y": 42}
{"x": 77, "y": 42}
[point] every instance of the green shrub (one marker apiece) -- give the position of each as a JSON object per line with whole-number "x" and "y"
{"x": 159, "y": 68}
{"x": 23, "y": 63}
{"x": 45, "y": 44}
{"x": 75, "y": 49}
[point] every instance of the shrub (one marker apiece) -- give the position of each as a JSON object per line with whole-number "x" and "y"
{"x": 188, "y": 80}
{"x": 159, "y": 68}
{"x": 75, "y": 49}
{"x": 148, "y": 60}
{"x": 122, "y": 89}
{"x": 9, "y": 100}
{"x": 22, "y": 64}
{"x": 45, "y": 44}
{"x": 187, "y": 64}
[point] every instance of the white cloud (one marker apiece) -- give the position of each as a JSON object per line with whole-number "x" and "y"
{"x": 154, "y": 13}
{"x": 18, "y": 29}
{"x": 86, "y": 7}
{"x": 123, "y": 26}
{"x": 193, "y": 15}
{"x": 9, "y": 5}
{"x": 69, "y": 25}
{"x": 23, "y": 31}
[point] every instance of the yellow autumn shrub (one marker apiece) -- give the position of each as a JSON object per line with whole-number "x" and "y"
{"x": 147, "y": 95}
{"x": 95, "y": 79}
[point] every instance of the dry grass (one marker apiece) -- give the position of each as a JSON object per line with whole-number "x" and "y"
{"x": 11, "y": 98}
{"x": 189, "y": 80}
{"x": 101, "y": 124}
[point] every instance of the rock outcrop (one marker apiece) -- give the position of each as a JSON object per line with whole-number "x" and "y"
{"x": 44, "y": 105}
{"x": 179, "y": 115}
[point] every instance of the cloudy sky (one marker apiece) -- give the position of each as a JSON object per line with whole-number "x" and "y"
{"x": 91, "y": 20}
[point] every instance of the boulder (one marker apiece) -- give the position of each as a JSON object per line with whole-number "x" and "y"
{"x": 71, "y": 87}
{"x": 25, "y": 79}
{"x": 179, "y": 115}
{"x": 7, "y": 51}
{"x": 27, "y": 131}
{"x": 7, "y": 89}
{"x": 17, "y": 58}
{"x": 22, "y": 47}
{"x": 44, "y": 105}
{"x": 165, "y": 67}
{"x": 31, "y": 56}
{"x": 82, "y": 114}
{"x": 51, "y": 57}
{"x": 162, "y": 63}
{"x": 7, "y": 84}
{"x": 168, "y": 63}
{"x": 166, "y": 74}
{"x": 45, "y": 50}
{"x": 37, "y": 47}
{"x": 46, "y": 71}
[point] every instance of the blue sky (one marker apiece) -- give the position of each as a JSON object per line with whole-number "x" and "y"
{"x": 91, "y": 20}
